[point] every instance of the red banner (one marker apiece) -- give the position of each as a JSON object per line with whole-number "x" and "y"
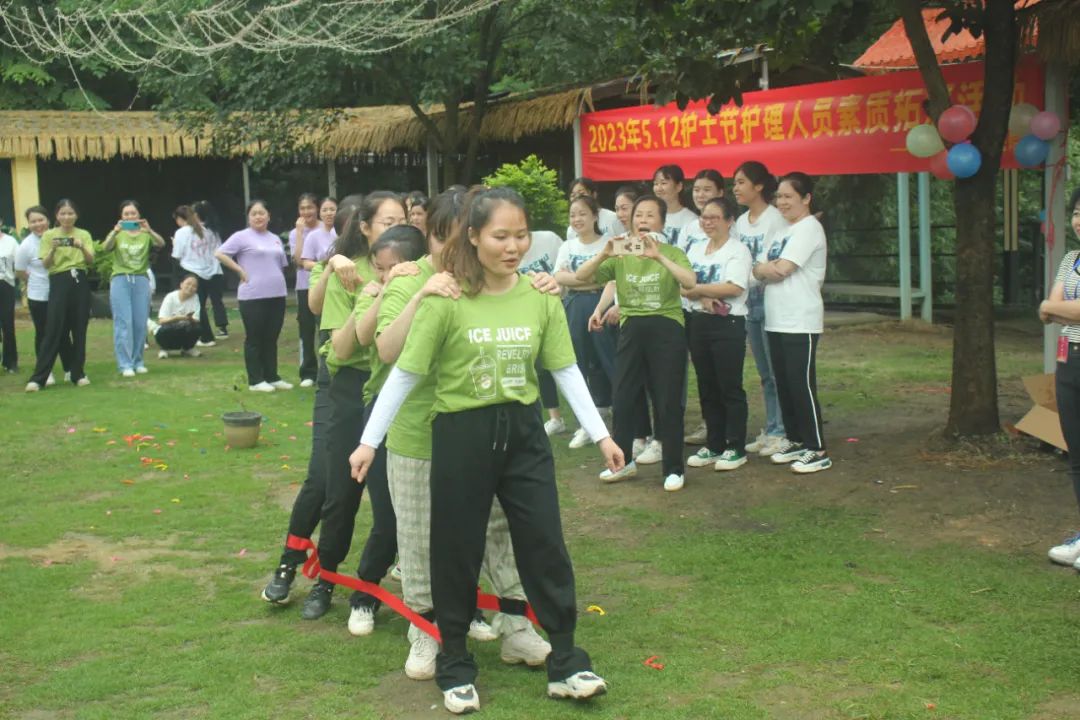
{"x": 844, "y": 127}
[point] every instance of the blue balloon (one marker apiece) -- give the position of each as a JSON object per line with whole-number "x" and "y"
{"x": 1042, "y": 215}
{"x": 1031, "y": 151}
{"x": 964, "y": 160}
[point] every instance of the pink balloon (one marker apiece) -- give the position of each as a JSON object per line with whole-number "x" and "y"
{"x": 1045, "y": 125}
{"x": 939, "y": 166}
{"x": 957, "y": 123}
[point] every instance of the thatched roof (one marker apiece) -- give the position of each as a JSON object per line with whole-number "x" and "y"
{"x": 64, "y": 135}
{"x": 1059, "y": 30}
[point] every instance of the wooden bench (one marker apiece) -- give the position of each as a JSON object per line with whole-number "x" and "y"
{"x": 858, "y": 289}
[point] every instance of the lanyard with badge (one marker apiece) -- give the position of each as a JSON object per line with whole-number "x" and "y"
{"x": 1063, "y": 341}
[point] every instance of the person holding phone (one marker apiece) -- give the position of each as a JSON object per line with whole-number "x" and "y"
{"x": 652, "y": 341}
{"x": 31, "y": 270}
{"x": 66, "y": 252}
{"x": 129, "y": 290}
{"x": 178, "y": 326}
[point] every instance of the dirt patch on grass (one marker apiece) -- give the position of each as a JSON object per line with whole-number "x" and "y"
{"x": 400, "y": 698}
{"x": 1065, "y": 707}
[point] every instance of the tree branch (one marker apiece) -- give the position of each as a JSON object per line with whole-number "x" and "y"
{"x": 937, "y": 91}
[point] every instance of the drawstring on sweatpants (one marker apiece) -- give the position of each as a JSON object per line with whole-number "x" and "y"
{"x": 502, "y": 420}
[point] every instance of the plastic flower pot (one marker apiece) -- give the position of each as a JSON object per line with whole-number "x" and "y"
{"x": 242, "y": 428}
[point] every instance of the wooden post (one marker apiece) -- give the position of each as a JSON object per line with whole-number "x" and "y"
{"x": 24, "y": 186}
{"x": 578, "y": 171}
{"x": 903, "y": 204}
{"x": 926, "y": 282}
{"x": 432, "y": 169}
{"x": 1054, "y": 198}
{"x": 331, "y": 178}
{"x": 247, "y": 183}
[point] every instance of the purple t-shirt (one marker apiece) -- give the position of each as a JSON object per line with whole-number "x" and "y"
{"x": 317, "y": 244}
{"x": 262, "y": 256}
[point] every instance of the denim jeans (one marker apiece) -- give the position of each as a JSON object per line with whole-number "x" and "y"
{"x": 129, "y": 296}
{"x": 759, "y": 345}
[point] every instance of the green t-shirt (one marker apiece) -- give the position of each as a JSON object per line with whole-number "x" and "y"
{"x": 316, "y": 273}
{"x": 66, "y": 258}
{"x": 131, "y": 254}
{"x": 645, "y": 286}
{"x": 338, "y": 304}
{"x": 410, "y": 432}
{"x": 484, "y": 349}
{"x": 379, "y": 369}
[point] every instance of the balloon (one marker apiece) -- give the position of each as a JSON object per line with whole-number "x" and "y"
{"x": 964, "y": 160}
{"x": 923, "y": 141}
{"x": 957, "y": 123}
{"x": 1031, "y": 151}
{"x": 1042, "y": 215}
{"x": 1020, "y": 118}
{"x": 1045, "y": 125}
{"x": 939, "y": 166}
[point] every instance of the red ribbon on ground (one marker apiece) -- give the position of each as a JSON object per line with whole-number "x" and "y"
{"x": 312, "y": 569}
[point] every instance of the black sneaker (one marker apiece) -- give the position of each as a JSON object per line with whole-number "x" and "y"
{"x": 277, "y": 591}
{"x": 318, "y": 601}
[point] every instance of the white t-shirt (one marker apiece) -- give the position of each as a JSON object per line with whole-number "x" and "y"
{"x": 692, "y": 233}
{"x": 574, "y": 253}
{"x": 674, "y": 224}
{"x": 27, "y": 261}
{"x": 794, "y": 304}
{"x": 8, "y": 247}
{"x": 196, "y": 254}
{"x": 542, "y": 253}
{"x": 731, "y": 263}
{"x": 608, "y": 222}
{"x": 172, "y": 306}
{"x": 758, "y": 236}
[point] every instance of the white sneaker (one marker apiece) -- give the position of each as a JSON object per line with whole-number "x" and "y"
{"x": 461, "y": 699}
{"x": 699, "y": 436}
{"x": 525, "y": 646}
{"x": 480, "y": 631}
{"x": 141, "y": 370}
{"x": 193, "y": 352}
{"x": 757, "y": 443}
{"x": 128, "y": 373}
{"x": 580, "y": 686}
{"x": 554, "y": 426}
{"x": 306, "y": 383}
{"x": 420, "y": 665}
{"x": 32, "y": 387}
{"x": 200, "y": 343}
{"x": 812, "y": 461}
{"x": 629, "y": 470}
{"x": 67, "y": 377}
{"x": 83, "y": 381}
{"x": 788, "y": 452}
{"x": 281, "y": 385}
{"x": 151, "y": 327}
{"x": 1067, "y": 553}
{"x": 730, "y": 459}
{"x": 652, "y": 454}
{"x": 261, "y": 387}
{"x": 162, "y": 354}
{"x": 639, "y": 446}
{"x": 702, "y": 458}
{"x": 772, "y": 445}
{"x": 361, "y": 621}
{"x": 580, "y": 439}
{"x": 50, "y": 381}
{"x": 396, "y": 573}
{"x": 674, "y": 482}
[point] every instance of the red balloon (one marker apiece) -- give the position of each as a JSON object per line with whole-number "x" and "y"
{"x": 939, "y": 166}
{"x": 957, "y": 123}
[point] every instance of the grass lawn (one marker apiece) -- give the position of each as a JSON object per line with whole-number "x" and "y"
{"x": 907, "y": 582}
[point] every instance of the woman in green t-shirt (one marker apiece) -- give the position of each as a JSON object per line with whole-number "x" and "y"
{"x": 129, "y": 291}
{"x": 488, "y": 440}
{"x": 66, "y": 252}
{"x": 652, "y": 344}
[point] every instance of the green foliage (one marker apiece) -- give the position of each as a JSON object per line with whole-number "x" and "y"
{"x": 103, "y": 263}
{"x": 539, "y": 185}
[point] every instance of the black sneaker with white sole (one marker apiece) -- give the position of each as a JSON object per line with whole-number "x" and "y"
{"x": 789, "y": 452}
{"x": 277, "y": 590}
{"x": 318, "y": 600}
{"x": 812, "y": 461}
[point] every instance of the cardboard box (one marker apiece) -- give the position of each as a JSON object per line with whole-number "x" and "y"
{"x": 1042, "y": 420}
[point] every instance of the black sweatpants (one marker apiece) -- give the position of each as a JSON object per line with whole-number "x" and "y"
{"x": 794, "y": 361}
{"x": 68, "y": 314}
{"x": 1067, "y": 386}
{"x": 212, "y": 289}
{"x": 307, "y": 322}
{"x": 308, "y": 505}
{"x": 478, "y": 455}
{"x": 343, "y": 493}
{"x": 718, "y": 349}
{"x": 263, "y": 319}
{"x": 8, "y": 296}
{"x": 651, "y": 354}
{"x": 39, "y": 313}
{"x": 180, "y": 335}
{"x": 381, "y": 546}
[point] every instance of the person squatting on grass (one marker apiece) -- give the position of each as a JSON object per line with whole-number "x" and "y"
{"x": 793, "y": 272}
{"x": 1063, "y": 307}
{"x": 31, "y": 269}
{"x": 130, "y": 241}
{"x": 194, "y": 245}
{"x": 178, "y": 326}
{"x": 652, "y": 342}
{"x": 66, "y": 252}
{"x": 257, "y": 256}
{"x": 488, "y": 440}
{"x": 718, "y": 335}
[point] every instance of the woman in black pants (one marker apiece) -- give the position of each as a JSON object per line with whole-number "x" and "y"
{"x": 31, "y": 270}
{"x": 66, "y": 252}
